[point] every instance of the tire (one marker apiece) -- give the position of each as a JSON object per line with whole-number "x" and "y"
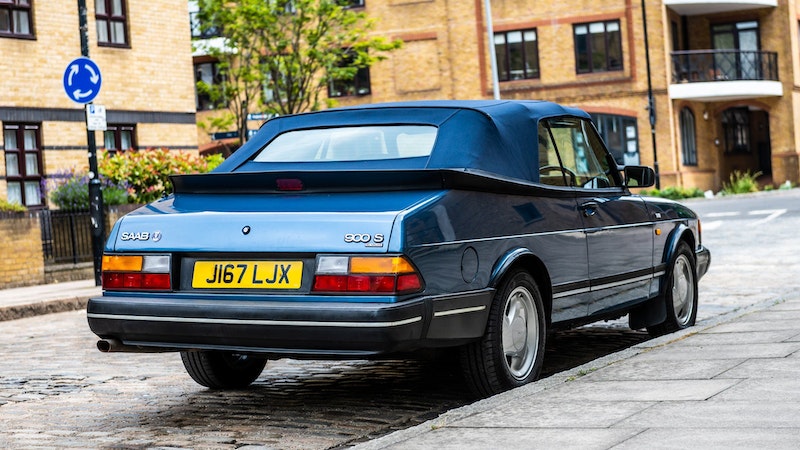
{"x": 680, "y": 297}
{"x": 223, "y": 370}
{"x": 511, "y": 351}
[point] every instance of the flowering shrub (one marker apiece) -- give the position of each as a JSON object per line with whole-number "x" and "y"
{"x": 147, "y": 172}
{"x": 70, "y": 190}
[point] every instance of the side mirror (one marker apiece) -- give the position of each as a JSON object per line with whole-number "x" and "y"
{"x": 639, "y": 176}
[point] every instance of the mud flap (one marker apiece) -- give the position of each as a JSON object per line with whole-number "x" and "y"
{"x": 649, "y": 313}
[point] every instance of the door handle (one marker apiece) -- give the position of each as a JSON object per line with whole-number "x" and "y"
{"x": 589, "y": 208}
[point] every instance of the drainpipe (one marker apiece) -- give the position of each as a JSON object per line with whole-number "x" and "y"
{"x": 651, "y": 104}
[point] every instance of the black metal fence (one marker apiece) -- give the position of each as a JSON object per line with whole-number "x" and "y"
{"x": 66, "y": 236}
{"x": 723, "y": 65}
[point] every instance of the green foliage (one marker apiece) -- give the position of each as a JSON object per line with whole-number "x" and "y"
{"x": 280, "y": 55}
{"x": 147, "y": 172}
{"x": 674, "y": 192}
{"x": 71, "y": 191}
{"x": 5, "y": 206}
{"x": 741, "y": 183}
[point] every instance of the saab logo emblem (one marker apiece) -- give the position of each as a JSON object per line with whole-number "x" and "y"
{"x": 363, "y": 238}
{"x": 140, "y": 236}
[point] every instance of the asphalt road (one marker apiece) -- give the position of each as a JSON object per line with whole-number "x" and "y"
{"x": 56, "y": 390}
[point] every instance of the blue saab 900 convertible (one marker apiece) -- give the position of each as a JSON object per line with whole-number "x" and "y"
{"x": 383, "y": 229}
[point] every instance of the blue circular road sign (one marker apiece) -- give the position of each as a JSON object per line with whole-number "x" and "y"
{"x": 82, "y": 80}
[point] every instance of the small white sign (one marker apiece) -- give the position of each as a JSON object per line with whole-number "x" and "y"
{"x": 96, "y": 117}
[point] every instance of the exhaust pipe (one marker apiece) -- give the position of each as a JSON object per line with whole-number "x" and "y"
{"x": 111, "y": 345}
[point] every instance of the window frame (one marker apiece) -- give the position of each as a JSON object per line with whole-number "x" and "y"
{"x": 606, "y": 52}
{"x": 338, "y": 88}
{"x": 625, "y": 123}
{"x": 504, "y": 56}
{"x": 202, "y": 100}
{"x": 22, "y": 177}
{"x": 118, "y": 129}
{"x": 109, "y": 18}
{"x": 13, "y": 6}
{"x": 688, "y": 131}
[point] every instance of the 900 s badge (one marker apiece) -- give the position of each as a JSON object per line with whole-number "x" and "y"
{"x": 369, "y": 240}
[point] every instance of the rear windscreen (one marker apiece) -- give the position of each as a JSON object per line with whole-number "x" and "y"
{"x": 350, "y": 144}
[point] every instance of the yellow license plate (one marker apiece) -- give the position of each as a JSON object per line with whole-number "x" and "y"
{"x": 247, "y": 274}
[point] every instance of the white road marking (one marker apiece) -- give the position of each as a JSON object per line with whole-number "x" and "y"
{"x": 770, "y": 213}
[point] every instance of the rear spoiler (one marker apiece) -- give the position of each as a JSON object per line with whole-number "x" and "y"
{"x": 302, "y": 182}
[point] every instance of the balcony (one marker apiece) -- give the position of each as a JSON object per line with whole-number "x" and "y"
{"x": 724, "y": 75}
{"x": 695, "y": 7}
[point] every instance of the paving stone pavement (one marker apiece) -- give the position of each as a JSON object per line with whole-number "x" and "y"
{"x": 728, "y": 384}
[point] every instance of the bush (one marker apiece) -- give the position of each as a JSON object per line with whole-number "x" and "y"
{"x": 741, "y": 183}
{"x": 73, "y": 191}
{"x": 5, "y": 206}
{"x": 675, "y": 193}
{"x": 147, "y": 172}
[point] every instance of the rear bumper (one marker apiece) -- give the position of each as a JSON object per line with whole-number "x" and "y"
{"x": 289, "y": 328}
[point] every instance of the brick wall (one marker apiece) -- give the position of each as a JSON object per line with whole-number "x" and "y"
{"x": 22, "y": 263}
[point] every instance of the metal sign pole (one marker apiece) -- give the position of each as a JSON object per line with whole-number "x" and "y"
{"x": 95, "y": 193}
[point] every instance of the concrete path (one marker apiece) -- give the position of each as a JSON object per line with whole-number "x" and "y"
{"x": 728, "y": 383}
{"x": 17, "y": 303}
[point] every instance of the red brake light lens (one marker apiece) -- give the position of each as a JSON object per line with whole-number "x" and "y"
{"x": 137, "y": 273}
{"x": 367, "y": 275}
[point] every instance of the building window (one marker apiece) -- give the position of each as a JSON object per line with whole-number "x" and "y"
{"x": 688, "y": 137}
{"x": 598, "y": 47}
{"x": 353, "y": 4}
{"x": 357, "y": 85}
{"x": 16, "y": 18}
{"x": 112, "y": 23}
{"x": 23, "y": 159}
{"x": 619, "y": 134}
{"x": 119, "y": 138}
{"x": 207, "y": 73}
{"x": 736, "y": 129}
{"x": 517, "y": 55}
{"x": 198, "y": 30}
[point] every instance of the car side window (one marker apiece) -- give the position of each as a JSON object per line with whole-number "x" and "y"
{"x": 582, "y": 155}
{"x": 550, "y": 170}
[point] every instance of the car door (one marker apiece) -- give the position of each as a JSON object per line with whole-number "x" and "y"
{"x": 619, "y": 231}
{"x": 564, "y": 251}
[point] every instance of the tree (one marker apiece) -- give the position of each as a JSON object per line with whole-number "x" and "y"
{"x": 279, "y": 55}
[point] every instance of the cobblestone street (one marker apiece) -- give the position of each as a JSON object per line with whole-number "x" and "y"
{"x": 57, "y": 388}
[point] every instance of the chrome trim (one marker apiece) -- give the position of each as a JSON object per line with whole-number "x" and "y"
{"x": 459, "y": 311}
{"x": 623, "y": 282}
{"x": 572, "y": 292}
{"x": 295, "y": 323}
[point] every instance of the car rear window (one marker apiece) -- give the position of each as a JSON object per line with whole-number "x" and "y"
{"x": 350, "y": 144}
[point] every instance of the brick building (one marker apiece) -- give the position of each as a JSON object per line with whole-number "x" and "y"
{"x": 723, "y": 74}
{"x": 143, "y": 49}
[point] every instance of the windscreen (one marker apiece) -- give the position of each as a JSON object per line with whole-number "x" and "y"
{"x": 361, "y": 143}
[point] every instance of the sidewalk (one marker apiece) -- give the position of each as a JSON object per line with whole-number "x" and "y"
{"x": 17, "y": 303}
{"x": 731, "y": 382}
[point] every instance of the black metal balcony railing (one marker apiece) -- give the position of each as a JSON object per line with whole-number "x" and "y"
{"x": 723, "y": 65}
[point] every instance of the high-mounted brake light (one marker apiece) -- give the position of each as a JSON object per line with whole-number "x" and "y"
{"x": 137, "y": 272}
{"x": 366, "y": 274}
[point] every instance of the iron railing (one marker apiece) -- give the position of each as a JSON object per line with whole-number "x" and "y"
{"x": 723, "y": 65}
{"x": 66, "y": 236}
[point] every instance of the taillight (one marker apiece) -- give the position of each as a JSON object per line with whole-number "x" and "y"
{"x": 366, "y": 274}
{"x": 137, "y": 272}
